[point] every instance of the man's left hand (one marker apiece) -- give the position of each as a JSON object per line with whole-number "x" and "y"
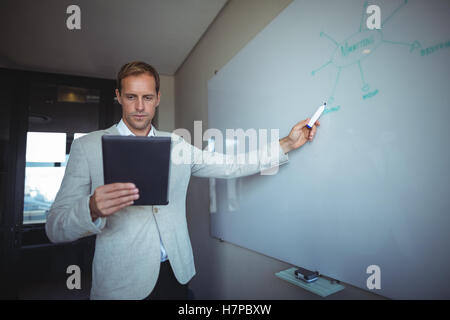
{"x": 298, "y": 136}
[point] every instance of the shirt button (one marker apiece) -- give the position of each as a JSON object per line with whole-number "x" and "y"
{"x": 155, "y": 209}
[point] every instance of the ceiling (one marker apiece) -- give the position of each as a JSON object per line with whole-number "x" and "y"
{"x": 34, "y": 35}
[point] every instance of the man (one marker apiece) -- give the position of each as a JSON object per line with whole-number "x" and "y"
{"x": 141, "y": 251}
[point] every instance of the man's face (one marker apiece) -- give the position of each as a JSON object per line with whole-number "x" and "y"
{"x": 139, "y": 100}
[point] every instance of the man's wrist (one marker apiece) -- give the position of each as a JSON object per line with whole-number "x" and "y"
{"x": 94, "y": 216}
{"x": 285, "y": 145}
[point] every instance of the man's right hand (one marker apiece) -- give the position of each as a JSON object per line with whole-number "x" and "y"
{"x": 110, "y": 198}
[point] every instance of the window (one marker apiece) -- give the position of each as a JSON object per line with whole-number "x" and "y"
{"x": 44, "y": 170}
{"x": 46, "y": 160}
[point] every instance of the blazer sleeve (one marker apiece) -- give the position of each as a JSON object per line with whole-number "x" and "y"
{"x": 266, "y": 160}
{"x": 69, "y": 217}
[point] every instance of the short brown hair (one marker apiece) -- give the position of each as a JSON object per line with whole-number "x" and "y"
{"x": 135, "y": 68}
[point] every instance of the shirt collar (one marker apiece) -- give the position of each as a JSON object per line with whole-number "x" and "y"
{"x": 125, "y": 131}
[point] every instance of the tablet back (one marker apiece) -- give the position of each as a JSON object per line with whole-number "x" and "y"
{"x": 143, "y": 161}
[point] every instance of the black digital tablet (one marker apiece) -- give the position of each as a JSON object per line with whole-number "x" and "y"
{"x": 144, "y": 161}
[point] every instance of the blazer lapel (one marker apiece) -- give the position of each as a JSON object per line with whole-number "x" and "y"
{"x": 112, "y": 130}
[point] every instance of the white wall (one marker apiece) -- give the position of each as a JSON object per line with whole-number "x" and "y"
{"x": 166, "y": 109}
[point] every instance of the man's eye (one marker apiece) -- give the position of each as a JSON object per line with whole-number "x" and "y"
{"x": 130, "y": 97}
{"x": 148, "y": 98}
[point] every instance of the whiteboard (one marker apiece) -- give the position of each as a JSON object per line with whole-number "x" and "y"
{"x": 373, "y": 186}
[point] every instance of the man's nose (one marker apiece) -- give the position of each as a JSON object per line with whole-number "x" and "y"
{"x": 140, "y": 105}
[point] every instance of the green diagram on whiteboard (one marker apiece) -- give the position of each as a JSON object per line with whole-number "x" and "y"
{"x": 356, "y": 48}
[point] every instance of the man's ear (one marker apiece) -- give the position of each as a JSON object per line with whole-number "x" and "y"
{"x": 159, "y": 98}
{"x": 118, "y": 96}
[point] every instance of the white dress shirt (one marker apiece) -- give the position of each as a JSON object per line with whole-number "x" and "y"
{"x": 125, "y": 131}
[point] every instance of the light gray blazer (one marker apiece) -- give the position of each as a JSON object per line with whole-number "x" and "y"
{"x": 127, "y": 249}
